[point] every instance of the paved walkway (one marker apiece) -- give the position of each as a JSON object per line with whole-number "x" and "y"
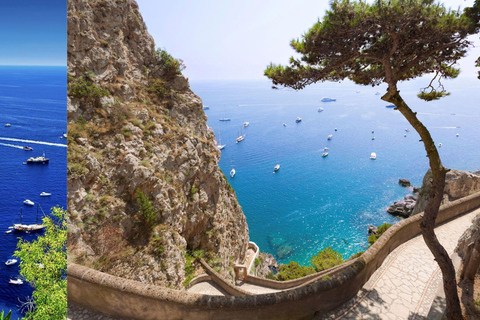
{"x": 408, "y": 281}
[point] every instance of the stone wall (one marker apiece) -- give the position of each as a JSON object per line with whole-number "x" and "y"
{"x": 128, "y": 298}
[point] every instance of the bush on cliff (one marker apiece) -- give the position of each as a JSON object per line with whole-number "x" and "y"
{"x": 293, "y": 270}
{"x": 170, "y": 66}
{"x": 380, "y": 230}
{"x": 325, "y": 259}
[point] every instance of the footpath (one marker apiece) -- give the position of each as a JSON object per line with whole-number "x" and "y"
{"x": 405, "y": 287}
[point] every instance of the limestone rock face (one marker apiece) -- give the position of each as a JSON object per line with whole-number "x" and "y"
{"x": 403, "y": 208}
{"x": 458, "y": 184}
{"x": 148, "y": 135}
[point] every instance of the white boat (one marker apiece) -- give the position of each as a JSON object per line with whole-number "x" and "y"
{"x": 406, "y": 129}
{"x": 330, "y": 137}
{"x": 40, "y": 159}
{"x": 7, "y": 125}
{"x": 326, "y": 99}
{"x": 221, "y": 146}
{"x": 326, "y": 148}
{"x": 27, "y": 148}
{"x": 64, "y": 134}
{"x": 11, "y": 262}
{"x": 336, "y": 129}
{"x": 298, "y": 119}
{"x": 324, "y": 154}
{"x": 206, "y": 107}
{"x": 28, "y": 202}
{"x": 284, "y": 124}
{"x": 240, "y": 137}
{"x": 224, "y": 119}
{"x": 457, "y": 134}
{"x": 276, "y": 168}
{"x": 377, "y": 93}
{"x": 232, "y": 172}
{"x": 373, "y": 156}
{"x": 45, "y": 194}
{"x": 8, "y": 231}
{"x": 440, "y": 144}
{"x": 246, "y": 124}
{"x": 20, "y": 227}
{"x": 373, "y": 138}
{"x": 17, "y": 281}
{"x": 320, "y": 109}
{"x": 405, "y": 135}
{"x": 390, "y": 106}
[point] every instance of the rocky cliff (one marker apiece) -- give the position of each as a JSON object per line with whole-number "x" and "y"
{"x": 144, "y": 189}
{"x": 458, "y": 184}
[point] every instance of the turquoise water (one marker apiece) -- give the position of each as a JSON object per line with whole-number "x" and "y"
{"x": 314, "y": 202}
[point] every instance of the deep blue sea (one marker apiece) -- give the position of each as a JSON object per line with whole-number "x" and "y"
{"x": 314, "y": 202}
{"x": 33, "y": 101}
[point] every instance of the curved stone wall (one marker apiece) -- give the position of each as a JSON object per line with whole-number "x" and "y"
{"x": 310, "y": 296}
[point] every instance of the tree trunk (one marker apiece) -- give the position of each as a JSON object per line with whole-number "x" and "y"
{"x": 453, "y": 310}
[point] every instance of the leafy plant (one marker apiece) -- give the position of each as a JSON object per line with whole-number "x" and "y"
{"x": 325, "y": 259}
{"x": 44, "y": 265}
{"x": 147, "y": 213}
{"x": 380, "y": 230}
{"x": 170, "y": 66}
{"x": 84, "y": 88}
{"x": 293, "y": 270}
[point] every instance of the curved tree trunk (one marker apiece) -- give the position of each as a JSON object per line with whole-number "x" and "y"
{"x": 453, "y": 310}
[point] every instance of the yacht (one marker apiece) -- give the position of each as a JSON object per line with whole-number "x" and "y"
{"x": 330, "y": 137}
{"x": 40, "y": 159}
{"x": 16, "y": 281}
{"x": 221, "y": 146}
{"x": 29, "y": 202}
{"x": 27, "y": 148}
{"x": 240, "y": 138}
{"x": 276, "y": 168}
{"x": 325, "y": 149}
{"x": 246, "y": 124}
{"x": 45, "y": 194}
{"x": 232, "y": 173}
{"x": 325, "y": 99}
{"x": 8, "y": 125}
{"x": 11, "y": 262}
{"x": 320, "y": 109}
{"x": 407, "y": 130}
{"x": 224, "y": 119}
{"x": 373, "y": 156}
{"x": 284, "y": 124}
{"x": 20, "y": 227}
{"x": 298, "y": 119}
{"x": 324, "y": 154}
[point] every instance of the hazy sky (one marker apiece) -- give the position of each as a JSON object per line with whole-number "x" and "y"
{"x": 220, "y": 39}
{"x": 33, "y": 32}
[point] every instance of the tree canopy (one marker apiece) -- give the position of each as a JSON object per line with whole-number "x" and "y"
{"x": 387, "y": 41}
{"x": 44, "y": 265}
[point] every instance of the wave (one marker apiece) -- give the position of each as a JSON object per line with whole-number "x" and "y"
{"x": 11, "y": 145}
{"x": 35, "y": 142}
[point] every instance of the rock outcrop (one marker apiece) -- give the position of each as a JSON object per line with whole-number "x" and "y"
{"x": 458, "y": 184}
{"x": 136, "y": 129}
{"x": 403, "y": 208}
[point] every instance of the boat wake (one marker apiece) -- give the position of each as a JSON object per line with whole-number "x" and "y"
{"x": 34, "y": 141}
{"x": 11, "y": 145}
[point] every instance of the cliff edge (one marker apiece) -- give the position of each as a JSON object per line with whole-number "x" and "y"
{"x": 145, "y": 193}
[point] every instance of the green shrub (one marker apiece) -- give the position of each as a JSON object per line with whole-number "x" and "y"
{"x": 257, "y": 262}
{"x": 189, "y": 269}
{"x": 380, "y": 230}
{"x": 326, "y": 259}
{"x": 147, "y": 213}
{"x": 293, "y": 270}
{"x": 170, "y": 66}
{"x": 84, "y": 88}
{"x": 356, "y": 255}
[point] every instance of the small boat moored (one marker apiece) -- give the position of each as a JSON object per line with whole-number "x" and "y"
{"x": 7, "y": 125}
{"x": 246, "y": 124}
{"x": 206, "y": 108}
{"x": 326, "y": 99}
{"x": 232, "y": 173}
{"x": 45, "y": 194}
{"x": 320, "y": 109}
{"x": 16, "y": 281}
{"x": 330, "y": 137}
{"x": 29, "y": 202}
{"x": 390, "y": 106}
{"x": 298, "y": 119}
{"x": 373, "y": 156}
{"x": 276, "y": 168}
{"x": 324, "y": 154}
{"x": 27, "y": 148}
{"x": 284, "y": 124}
{"x": 224, "y": 119}
{"x": 11, "y": 262}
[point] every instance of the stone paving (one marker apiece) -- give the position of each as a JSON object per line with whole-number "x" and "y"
{"x": 408, "y": 281}
{"x": 76, "y": 312}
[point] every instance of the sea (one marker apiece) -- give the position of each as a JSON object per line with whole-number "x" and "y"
{"x": 33, "y": 102}
{"x": 314, "y": 202}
